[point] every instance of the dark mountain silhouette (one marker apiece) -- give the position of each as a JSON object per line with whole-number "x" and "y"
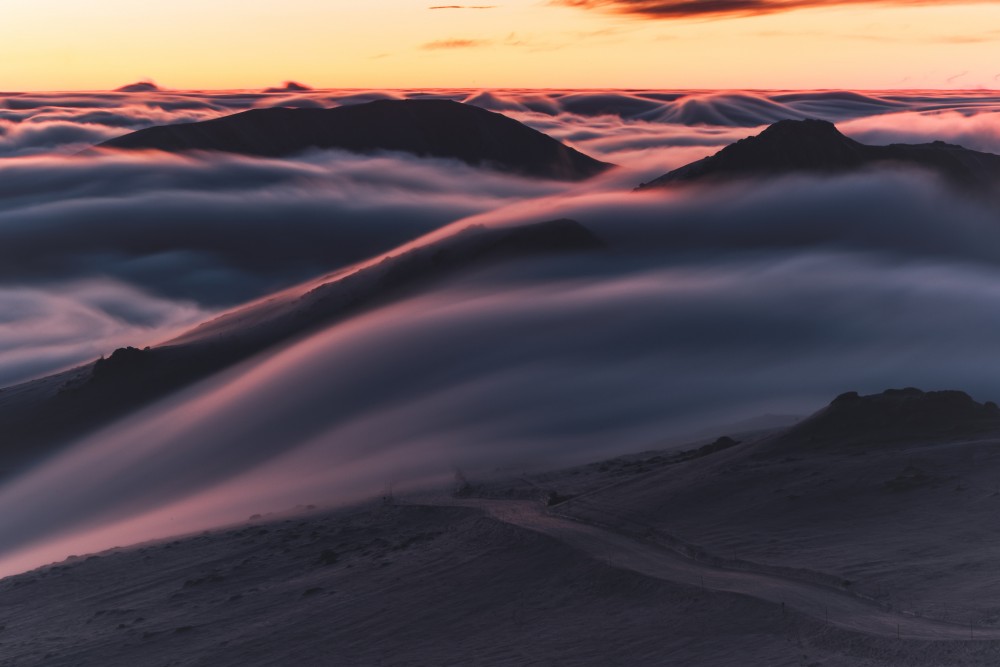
{"x": 893, "y": 415}
{"x": 434, "y": 128}
{"x": 37, "y": 416}
{"x": 139, "y": 87}
{"x": 816, "y": 146}
{"x": 289, "y": 87}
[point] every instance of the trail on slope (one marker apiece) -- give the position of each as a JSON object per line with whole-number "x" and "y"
{"x": 837, "y": 608}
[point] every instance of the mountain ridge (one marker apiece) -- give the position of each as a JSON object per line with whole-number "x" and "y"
{"x": 818, "y": 147}
{"x": 426, "y": 128}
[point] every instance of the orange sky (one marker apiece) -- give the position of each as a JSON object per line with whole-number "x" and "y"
{"x": 100, "y": 44}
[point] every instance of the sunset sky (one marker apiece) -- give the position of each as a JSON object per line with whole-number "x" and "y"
{"x": 67, "y": 44}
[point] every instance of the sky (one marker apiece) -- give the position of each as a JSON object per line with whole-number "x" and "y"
{"x": 713, "y": 44}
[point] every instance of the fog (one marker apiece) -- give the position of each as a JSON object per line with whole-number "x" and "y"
{"x": 51, "y": 327}
{"x": 708, "y": 305}
{"x": 206, "y": 232}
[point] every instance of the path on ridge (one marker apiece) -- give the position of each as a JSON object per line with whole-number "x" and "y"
{"x": 839, "y": 608}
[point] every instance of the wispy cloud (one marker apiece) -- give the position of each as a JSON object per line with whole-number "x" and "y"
{"x": 968, "y": 38}
{"x": 980, "y": 38}
{"x": 463, "y": 7}
{"x": 456, "y": 44}
{"x": 679, "y": 9}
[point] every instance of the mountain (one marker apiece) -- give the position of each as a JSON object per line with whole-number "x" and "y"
{"x": 817, "y": 146}
{"x": 895, "y": 415}
{"x": 427, "y": 128}
{"x": 37, "y": 416}
{"x": 139, "y": 87}
{"x": 829, "y": 557}
{"x": 887, "y": 499}
{"x": 289, "y": 87}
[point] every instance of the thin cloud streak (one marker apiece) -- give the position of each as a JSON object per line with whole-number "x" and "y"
{"x": 681, "y": 9}
{"x": 455, "y": 44}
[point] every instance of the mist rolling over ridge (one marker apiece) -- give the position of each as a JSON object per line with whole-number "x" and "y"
{"x": 707, "y": 305}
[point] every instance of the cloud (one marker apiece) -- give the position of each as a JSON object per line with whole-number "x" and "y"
{"x": 463, "y": 7}
{"x": 456, "y": 44}
{"x": 98, "y": 114}
{"x": 46, "y": 329}
{"x": 985, "y": 36}
{"x": 965, "y": 38}
{"x": 159, "y": 221}
{"x": 711, "y": 304}
{"x": 216, "y": 230}
{"x": 210, "y": 231}
{"x": 978, "y": 131}
{"x": 31, "y": 138}
{"x": 680, "y": 9}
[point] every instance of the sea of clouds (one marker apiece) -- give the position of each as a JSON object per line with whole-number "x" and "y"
{"x": 198, "y": 233}
{"x": 708, "y": 305}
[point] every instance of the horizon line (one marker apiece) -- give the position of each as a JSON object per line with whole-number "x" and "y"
{"x": 274, "y": 90}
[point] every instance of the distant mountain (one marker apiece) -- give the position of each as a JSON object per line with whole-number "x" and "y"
{"x": 289, "y": 87}
{"x": 139, "y": 87}
{"x": 894, "y": 415}
{"x": 432, "y": 128}
{"x": 816, "y": 146}
{"x": 38, "y": 416}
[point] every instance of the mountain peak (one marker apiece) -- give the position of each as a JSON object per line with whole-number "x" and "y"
{"x": 801, "y": 129}
{"x": 895, "y": 414}
{"x": 818, "y": 147}
{"x": 289, "y": 87}
{"x": 811, "y": 143}
{"x": 139, "y": 87}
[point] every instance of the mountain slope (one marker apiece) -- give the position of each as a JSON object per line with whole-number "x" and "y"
{"x": 400, "y": 585}
{"x": 428, "y": 128}
{"x": 889, "y": 497}
{"x": 510, "y": 580}
{"x": 816, "y": 146}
